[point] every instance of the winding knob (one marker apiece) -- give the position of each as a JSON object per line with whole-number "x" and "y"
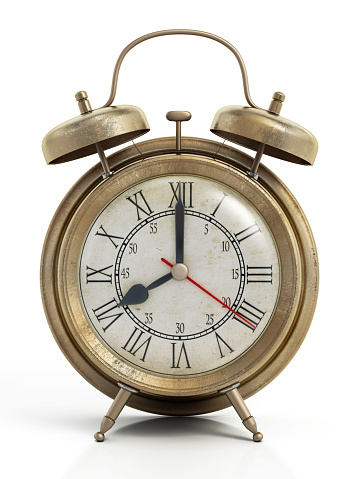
{"x": 178, "y": 117}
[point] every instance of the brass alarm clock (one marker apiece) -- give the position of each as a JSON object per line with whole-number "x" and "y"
{"x": 179, "y": 275}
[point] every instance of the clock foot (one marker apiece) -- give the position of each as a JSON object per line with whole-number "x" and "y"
{"x": 257, "y": 437}
{"x": 99, "y": 436}
{"x": 239, "y": 405}
{"x": 112, "y": 414}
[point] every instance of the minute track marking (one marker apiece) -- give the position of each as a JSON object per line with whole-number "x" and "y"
{"x": 252, "y": 325}
{"x": 134, "y": 315}
{"x": 138, "y": 293}
{"x": 162, "y": 214}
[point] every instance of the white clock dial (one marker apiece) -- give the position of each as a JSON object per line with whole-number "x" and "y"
{"x": 197, "y": 324}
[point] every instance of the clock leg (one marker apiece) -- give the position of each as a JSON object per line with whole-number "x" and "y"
{"x": 116, "y": 407}
{"x": 243, "y": 412}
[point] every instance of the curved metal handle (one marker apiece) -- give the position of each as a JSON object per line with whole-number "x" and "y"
{"x": 180, "y": 32}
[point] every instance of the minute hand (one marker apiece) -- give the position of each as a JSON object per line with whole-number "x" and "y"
{"x": 179, "y": 220}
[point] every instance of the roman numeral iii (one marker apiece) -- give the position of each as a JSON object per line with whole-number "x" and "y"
{"x": 259, "y": 274}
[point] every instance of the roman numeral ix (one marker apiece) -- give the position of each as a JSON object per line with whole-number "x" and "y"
{"x": 98, "y": 275}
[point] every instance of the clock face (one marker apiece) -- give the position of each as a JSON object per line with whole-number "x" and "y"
{"x": 190, "y": 326}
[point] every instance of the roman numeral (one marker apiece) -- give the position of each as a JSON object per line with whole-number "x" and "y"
{"x": 247, "y": 232}
{"x": 141, "y": 204}
{"x": 219, "y": 204}
{"x": 259, "y": 274}
{"x": 134, "y": 346}
{"x": 218, "y": 337}
{"x": 186, "y": 193}
{"x": 106, "y": 308}
{"x": 104, "y": 233}
{"x": 101, "y": 277}
{"x": 183, "y": 350}
{"x": 250, "y": 313}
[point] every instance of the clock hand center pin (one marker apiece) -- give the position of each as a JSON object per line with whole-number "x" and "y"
{"x": 179, "y": 271}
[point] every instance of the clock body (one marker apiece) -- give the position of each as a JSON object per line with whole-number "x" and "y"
{"x": 248, "y": 248}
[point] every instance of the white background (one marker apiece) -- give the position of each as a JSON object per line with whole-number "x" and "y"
{"x": 50, "y": 50}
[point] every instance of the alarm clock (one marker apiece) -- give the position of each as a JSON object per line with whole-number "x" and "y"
{"x": 179, "y": 275}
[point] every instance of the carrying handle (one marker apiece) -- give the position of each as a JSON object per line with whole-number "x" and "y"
{"x": 180, "y": 32}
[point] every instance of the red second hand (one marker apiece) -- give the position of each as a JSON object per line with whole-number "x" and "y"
{"x": 252, "y": 325}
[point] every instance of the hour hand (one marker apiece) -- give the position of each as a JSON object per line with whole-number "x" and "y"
{"x": 138, "y": 293}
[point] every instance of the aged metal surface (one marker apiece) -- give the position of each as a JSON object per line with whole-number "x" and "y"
{"x": 78, "y": 137}
{"x": 164, "y": 394}
{"x": 250, "y": 127}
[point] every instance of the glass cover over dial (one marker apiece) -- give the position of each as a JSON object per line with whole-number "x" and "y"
{"x": 186, "y": 318}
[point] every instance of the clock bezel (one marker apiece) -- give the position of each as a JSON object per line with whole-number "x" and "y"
{"x": 158, "y": 394}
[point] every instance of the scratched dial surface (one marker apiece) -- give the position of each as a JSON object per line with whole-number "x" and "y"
{"x": 184, "y": 327}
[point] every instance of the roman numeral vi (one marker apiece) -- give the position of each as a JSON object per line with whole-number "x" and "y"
{"x": 176, "y": 364}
